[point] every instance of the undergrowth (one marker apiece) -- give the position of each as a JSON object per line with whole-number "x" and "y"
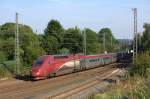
{"x": 7, "y": 69}
{"x": 136, "y": 84}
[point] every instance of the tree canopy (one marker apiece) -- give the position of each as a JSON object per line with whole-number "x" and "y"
{"x": 110, "y": 41}
{"x": 52, "y": 37}
{"x": 28, "y": 50}
{"x": 54, "y": 28}
{"x": 54, "y": 40}
{"x": 72, "y": 40}
{"x": 146, "y": 37}
{"x": 93, "y": 46}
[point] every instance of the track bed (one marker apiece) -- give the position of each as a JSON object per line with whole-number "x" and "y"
{"x": 52, "y": 88}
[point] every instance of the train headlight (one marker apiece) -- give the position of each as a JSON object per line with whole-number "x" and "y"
{"x": 38, "y": 72}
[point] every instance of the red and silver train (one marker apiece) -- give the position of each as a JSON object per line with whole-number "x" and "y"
{"x": 52, "y": 65}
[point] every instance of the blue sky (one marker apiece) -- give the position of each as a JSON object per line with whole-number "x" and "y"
{"x": 94, "y": 14}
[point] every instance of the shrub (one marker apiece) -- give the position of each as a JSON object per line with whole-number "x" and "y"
{"x": 64, "y": 51}
{"x": 4, "y": 72}
{"x": 133, "y": 88}
{"x": 141, "y": 65}
{"x": 2, "y": 57}
{"x": 136, "y": 86}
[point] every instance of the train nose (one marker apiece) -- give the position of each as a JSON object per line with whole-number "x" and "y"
{"x": 35, "y": 72}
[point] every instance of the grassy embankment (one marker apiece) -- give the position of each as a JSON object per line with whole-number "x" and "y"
{"x": 136, "y": 83}
{"x": 7, "y": 69}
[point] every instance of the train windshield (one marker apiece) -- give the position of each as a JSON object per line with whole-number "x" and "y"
{"x": 39, "y": 61}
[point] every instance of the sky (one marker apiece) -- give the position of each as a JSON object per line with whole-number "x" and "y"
{"x": 94, "y": 14}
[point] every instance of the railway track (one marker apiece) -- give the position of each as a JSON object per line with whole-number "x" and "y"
{"x": 53, "y": 87}
{"x": 80, "y": 88}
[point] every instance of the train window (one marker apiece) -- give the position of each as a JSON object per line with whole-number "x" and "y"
{"x": 60, "y": 56}
{"x": 40, "y": 61}
{"x": 94, "y": 60}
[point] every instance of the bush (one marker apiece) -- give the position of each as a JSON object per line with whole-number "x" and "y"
{"x": 4, "y": 72}
{"x": 7, "y": 68}
{"x": 25, "y": 70}
{"x": 133, "y": 88}
{"x": 2, "y": 57}
{"x": 136, "y": 86}
{"x": 64, "y": 51}
{"x": 141, "y": 65}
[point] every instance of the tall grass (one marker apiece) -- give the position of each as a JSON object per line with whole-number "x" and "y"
{"x": 137, "y": 84}
{"x": 142, "y": 65}
{"x": 135, "y": 87}
{"x": 7, "y": 69}
{"x": 4, "y": 72}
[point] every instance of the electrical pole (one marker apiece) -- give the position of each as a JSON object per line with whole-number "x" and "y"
{"x": 84, "y": 38}
{"x": 104, "y": 42}
{"x": 111, "y": 41}
{"x": 135, "y": 39}
{"x": 84, "y": 47}
{"x": 17, "y": 54}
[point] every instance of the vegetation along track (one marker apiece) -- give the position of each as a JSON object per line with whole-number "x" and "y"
{"x": 50, "y": 87}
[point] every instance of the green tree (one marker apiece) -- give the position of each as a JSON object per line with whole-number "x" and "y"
{"x": 0, "y": 28}
{"x": 50, "y": 44}
{"x": 64, "y": 51}
{"x": 52, "y": 37}
{"x": 54, "y": 28}
{"x": 110, "y": 41}
{"x": 27, "y": 39}
{"x": 146, "y": 37}
{"x": 93, "y": 46}
{"x": 2, "y": 57}
{"x": 73, "y": 40}
{"x": 8, "y": 47}
{"x": 7, "y": 30}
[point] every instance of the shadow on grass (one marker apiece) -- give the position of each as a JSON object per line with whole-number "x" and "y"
{"x": 110, "y": 80}
{"x": 24, "y": 77}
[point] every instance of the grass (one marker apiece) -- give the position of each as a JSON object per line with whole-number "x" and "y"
{"x": 136, "y": 83}
{"x": 133, "y": 88}
{"x": 4, "y": 72}
{"x": 7, "y": 69}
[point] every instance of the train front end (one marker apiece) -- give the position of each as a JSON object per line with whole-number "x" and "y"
{"x": 39, "y": 70}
